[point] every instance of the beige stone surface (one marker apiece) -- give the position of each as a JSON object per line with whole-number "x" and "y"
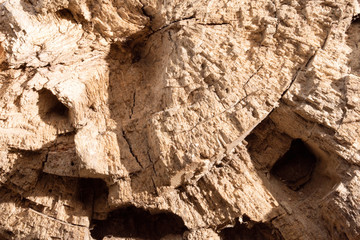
{"x": 192, "y": 119}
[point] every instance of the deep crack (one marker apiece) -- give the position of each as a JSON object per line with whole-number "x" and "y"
{"x": 131, "y": 149}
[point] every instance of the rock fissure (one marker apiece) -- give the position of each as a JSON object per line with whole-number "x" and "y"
{"x": 55, "y": 219}
{"x": 131, "y": 149}
{"x": 133, "y": 105}
{"x": 248, "y": 80}
{"x": 151, "y": 161}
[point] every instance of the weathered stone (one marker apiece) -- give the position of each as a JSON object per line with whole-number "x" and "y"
{"x": 183, "y": 111}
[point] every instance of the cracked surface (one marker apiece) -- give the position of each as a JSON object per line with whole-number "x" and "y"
{"x": 178, "y": 110}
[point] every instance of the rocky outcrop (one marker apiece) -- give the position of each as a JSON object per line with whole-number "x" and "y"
{"x": 187, "y": 119}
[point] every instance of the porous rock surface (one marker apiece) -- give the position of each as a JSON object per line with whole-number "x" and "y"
{"x": 182, "y": 119}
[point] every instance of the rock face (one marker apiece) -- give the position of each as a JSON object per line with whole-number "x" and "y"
{"x": 183, "y": 119}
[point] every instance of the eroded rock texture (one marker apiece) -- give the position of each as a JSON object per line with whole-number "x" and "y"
{"x": 183, "y": 119}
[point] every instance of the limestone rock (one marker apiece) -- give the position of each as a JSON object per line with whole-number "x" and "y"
{"x": 147, "y": 119}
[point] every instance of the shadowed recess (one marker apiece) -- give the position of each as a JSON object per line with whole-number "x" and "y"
{"x": 132, "y": 222}
{"x": 50, "y": 106}
{"x": 66, "y": 14}
{"x": 5, "y": 234}
{"x": 249, "y": 230}
{"x": 90, "y": 189}
{"x": 295, "y": 167}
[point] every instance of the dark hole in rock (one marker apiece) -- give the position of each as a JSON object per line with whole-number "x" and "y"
{"x": 93, "y": 108}
{"x": 90, "y": 189}
{"x": 3, "y": 63}
{"x": 136, "y": 52}
{"x": 132, "y": 222}
{"x": 66, "y": 14}
{"x": 4, "y": 66}
{"x": 129, "y": 51}
{"x": 249, "y": 230}
{"x": 6, "y": 234}
{"x": 135, "y": 44}
{"x": 93, "y": 194}
{"x": 50, "y": 106}
{"x": 356, "y": 18}
{"x": 295, "y": 167}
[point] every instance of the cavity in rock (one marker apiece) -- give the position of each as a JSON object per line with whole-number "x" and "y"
{"x": 132, "y": 222}
{"x": 295, "y": 167}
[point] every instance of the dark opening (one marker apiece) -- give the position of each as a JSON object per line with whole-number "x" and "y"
{"x": 295, "y": 167}
{"x": 50, "y": 106}
{"x": 66, "y": 14}
{"x": 356, "y": 18}
{"x": 131, "y": 50}
{"x": 132, "y": 222}
{"x": 90, "y": 189}
{"x": 249, "y": 230}
{"x": 3, "y": 62}
{"x": 6, "y": 234}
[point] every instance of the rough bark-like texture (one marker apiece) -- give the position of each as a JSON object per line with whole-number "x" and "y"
{"x": 183, "y": 119}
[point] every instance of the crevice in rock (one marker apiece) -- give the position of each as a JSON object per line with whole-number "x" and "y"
{"x": 296, "y": 166}
{"x": 152, "y": 162}
{"x": 291, "y": 160}
{"x": 6, "y": 234}
{"x": 248, "y": 80}
{"x": 93, "y": 193}
{"x": 3, "y": 62}
{"x": 245, "y": 229}
{"x": 50, "y": 107}
{"x": 154, "y": 186}
{"x": 143, "y": 9}
{"x": 4, "y": 66}
{"x": 73, "y": 17}
{"x": 132, "y": 222}
{"x": 323, "y": 45}
{"x": 170, "y": 24}
{"x": 131, "y": 149}
{"x": 133, "y": 105}
{"x": 66, "y": 14}
{"x": 356, "y": 18}
{"x": 214, "y": 24}
{"x": 130, "y": 50}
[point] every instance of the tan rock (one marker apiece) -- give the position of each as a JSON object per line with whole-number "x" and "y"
{"x": 185, "y": 114}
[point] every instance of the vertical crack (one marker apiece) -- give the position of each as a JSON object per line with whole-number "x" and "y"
{"x": 152, "y": 163}
{"x": 46, "y": 159}
{"x": 133, "y": 105}
{"x": 304, "y": 67}
{"x": 252, "y": 75}
{"x": 154, "y": 185}
{"x": 326, "y": 38}
{"x": 131, "y": 149}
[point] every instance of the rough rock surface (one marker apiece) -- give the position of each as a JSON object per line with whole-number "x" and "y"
{"x": 182, "y": 119}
